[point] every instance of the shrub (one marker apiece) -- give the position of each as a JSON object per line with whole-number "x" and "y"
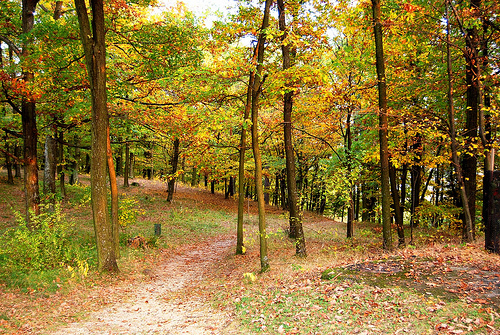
{"x": 47, "y": 247}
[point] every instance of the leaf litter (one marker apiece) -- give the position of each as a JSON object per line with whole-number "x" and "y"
{"x": 200, "y": 289}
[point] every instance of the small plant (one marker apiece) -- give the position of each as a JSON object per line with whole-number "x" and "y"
{"x": 47, "y": 247}
{"x": 128, "y": 212}
{"x": 249, "y": 277}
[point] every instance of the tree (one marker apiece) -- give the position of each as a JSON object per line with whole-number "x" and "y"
{"x": 93, "y": 42}
{"x": 240, "y": 248}
{"x": 383, "y": 126}
{"x": 28, "y": 116}
{"x": 296, "y": 230}
{"x": 256, "y": 92}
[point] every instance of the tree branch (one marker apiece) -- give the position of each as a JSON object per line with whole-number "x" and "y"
{"x": 11, "y": 45}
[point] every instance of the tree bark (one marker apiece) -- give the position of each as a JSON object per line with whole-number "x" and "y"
{"x": 348, "y": 144}
{"x": 398, "y": 214}
{"x": 469, "y": 161}
{"x": 127, "y": 165}
{"x": 240, "y": 249}
{"x": 194, "y": 177}
{"x": 28, "y": 117}
{"x": 95, "y": 55}
{"x": 115, "y": 224}
{"x": 49, "y": 172}
{"x": 76, "y": 162}
{"x": 295, "y": 220}
{"x": 256, "y": 91}
{"x": 175, "y": 163}
{"x": 17, "y": 166}
{"x": 62, "y": 175}
{"x": 8, "y": 163}
{"x": 454, "y": 145}
{"x": 383, "y": 127}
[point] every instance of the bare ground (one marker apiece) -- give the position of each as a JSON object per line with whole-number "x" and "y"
{"x": 162, "y": 304}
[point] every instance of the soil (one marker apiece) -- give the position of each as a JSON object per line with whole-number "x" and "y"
{"x": 162, "y": 304}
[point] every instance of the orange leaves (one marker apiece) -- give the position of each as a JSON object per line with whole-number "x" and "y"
{"x": 17, "y": 88}
{"x": 410, "y": 8}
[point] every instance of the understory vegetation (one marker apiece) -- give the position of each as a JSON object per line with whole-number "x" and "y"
{"x": 439, "y": 285}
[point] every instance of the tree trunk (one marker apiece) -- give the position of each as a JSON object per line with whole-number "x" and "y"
{"x": 127, "y": 165}
{"x": 76, "y": 162}
{"x": 115, "y": 224}
{"x": 95, "y": 55}
{"x": 256, "y": 91}
{"x": 295, "y": 220}
{"x": 454, "y": 145}
{"x": 132, "y": 165}
{"x": 49, "y": 172}
{"x": 171, "y": 178}
{"x": 17, "y": 166}
{"x": 28, "y": 117}
{"x": 119, "y": 160}
{"x": 350, "y": 212}
{"x": 61, "y": 165}
{"x": 8, "y": 163}
{"x": 383, "y": 127}
{"x": 240, "y": 249}
{"x": 194, "y": 177}
{"x": 416, "y": 178}
{"x": 469, "y": 161}
{"x": 398, "y": 214}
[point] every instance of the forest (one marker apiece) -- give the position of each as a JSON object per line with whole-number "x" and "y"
{"x": 381, "y": 112}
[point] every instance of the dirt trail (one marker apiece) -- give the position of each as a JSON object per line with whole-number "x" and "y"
{"x": 156, "y": 307}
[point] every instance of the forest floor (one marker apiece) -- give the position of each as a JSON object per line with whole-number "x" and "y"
{"x": 200, "y": 287}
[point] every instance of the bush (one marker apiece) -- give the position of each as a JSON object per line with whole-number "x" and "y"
{"x": 47, "y": 247}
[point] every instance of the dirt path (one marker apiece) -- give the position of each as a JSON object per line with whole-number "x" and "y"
{"x": 163, "y": 304}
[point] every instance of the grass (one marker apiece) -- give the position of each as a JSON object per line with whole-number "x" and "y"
{"x": 420, "y": 295}
{"x": 296, "y": 296}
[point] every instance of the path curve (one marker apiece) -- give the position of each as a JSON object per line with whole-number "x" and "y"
{"x": 155, "y": 307}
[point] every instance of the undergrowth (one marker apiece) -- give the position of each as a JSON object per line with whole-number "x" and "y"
{"x": 40, "y": 257}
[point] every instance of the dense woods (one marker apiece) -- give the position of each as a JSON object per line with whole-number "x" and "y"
{"x": 381, "y": 111}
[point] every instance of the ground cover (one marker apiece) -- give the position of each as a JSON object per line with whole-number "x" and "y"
{"x": 190, "y": 281}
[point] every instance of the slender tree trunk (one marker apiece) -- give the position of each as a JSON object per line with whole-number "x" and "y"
{"x": 256, "y": 91}
{"x": 454, "y": 144}
{"x": 240, "y": 248}
{"x": 416, "y": 179}
{"x": 28, "y": 117}
{"x": 348, "y": 144}
{"x": 404, "y": 177}
{"x": 398, "y": 214}
{"x": 62, "y": 175}
{"x": 127, "y": 165}
{"x": 194, "y": 177}
{"x": 296, "y": 230}
{"x": 17, "y": 166}
{"x": 8, "y": 163}
{"x": 114, "y": 196}
{"x": 175, "y": 163}
{"x": 132, "y": 165}
{"x": 119, "y": 160}
{"x": 93, "y": 43}
{"x": 383, "y": 127}
{"x": 76, "y": 162}
{"x": 49, "y": 172}
{"x": 469, "y": 162}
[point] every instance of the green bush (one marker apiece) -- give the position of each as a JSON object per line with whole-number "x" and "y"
{"x": 47, "y": 247}
{"x": 128, "y": 212}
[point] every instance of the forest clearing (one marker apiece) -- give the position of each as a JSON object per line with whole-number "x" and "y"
{"x": 189, "y": 280}
{"x": 274, "y": 167}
